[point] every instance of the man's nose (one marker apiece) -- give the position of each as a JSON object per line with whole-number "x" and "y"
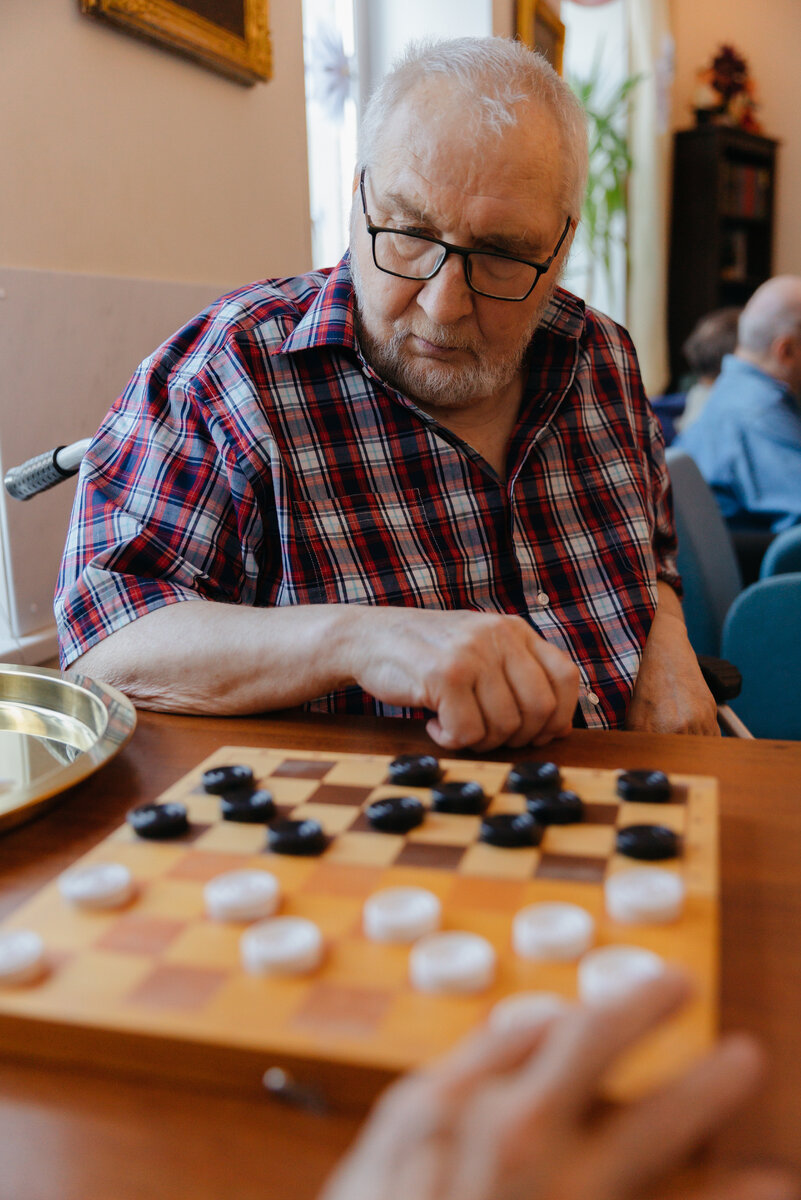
{"x": 447, "y": 298}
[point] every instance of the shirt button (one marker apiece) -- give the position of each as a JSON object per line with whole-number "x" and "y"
{"x": 542, "y": 599}
{"x": 593, "y": 699}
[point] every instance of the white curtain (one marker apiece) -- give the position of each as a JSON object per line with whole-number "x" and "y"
{"x": 651, "y": 51}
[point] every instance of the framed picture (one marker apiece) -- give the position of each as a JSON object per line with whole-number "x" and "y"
{"x": 539, "y": 27}
{"x": 229, "y": 36}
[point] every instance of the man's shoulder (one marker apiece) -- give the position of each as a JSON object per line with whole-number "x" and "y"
{"x": 567, "y": 315}
{"x": 267, "y": 308}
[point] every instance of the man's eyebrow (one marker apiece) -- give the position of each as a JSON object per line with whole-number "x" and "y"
{"x": 521, "y": 246}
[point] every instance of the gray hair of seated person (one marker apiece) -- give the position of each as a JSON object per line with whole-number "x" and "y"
{"x": 773, "y": 311}
{"x": 493, "y": 78}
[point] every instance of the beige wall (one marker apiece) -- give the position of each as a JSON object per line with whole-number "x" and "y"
{"x": 768, "y": 34}
{"x": 118, "y": 158}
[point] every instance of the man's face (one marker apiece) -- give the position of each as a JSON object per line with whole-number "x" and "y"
{"x": 436, "y": 340}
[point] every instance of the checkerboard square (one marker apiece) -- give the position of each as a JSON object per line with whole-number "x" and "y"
{"x": 339, "y": 793}
{"x": 601, "y": 814}
{"x": 575, "y": 867}
{"x": 136, "y": 934}
{"x": 430, "y": 854}
{"x": 174, "y": 986}
{"x": 352, "y": 1011}
{"x": 302, "y": 768}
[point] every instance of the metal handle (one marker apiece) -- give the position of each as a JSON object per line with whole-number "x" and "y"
{"x": 45, "y": 470}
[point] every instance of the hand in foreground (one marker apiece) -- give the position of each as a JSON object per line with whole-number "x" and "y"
{"x": 670, "y": 695}
{"x": 514, "y": 1116}
{"x": 490, "y": 679}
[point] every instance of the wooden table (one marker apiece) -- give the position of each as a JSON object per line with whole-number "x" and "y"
{"x": 67, "y": 1134}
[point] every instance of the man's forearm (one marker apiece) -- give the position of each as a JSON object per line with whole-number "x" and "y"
{"x": 200, "y": 657}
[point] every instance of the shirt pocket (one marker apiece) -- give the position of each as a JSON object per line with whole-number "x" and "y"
{"x": 369, "y": 548}
{"x": 612, "y": 498}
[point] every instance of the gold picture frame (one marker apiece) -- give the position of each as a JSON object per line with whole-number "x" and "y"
{"x": 231, "y": 37}
{"x": 539, "y": 27}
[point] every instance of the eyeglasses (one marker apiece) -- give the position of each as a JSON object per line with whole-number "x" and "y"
{"x": 419, "y": 256}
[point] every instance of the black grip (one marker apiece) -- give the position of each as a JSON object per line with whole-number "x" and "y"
{"x": 36, "y": 475}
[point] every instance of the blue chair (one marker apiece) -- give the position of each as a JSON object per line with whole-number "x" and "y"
{"x": 706, "y": 560}
{"x": 761, "y": 634}
{"x": 783, "y": 555}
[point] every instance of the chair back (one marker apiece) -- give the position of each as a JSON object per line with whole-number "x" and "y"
{"x": 783, "y": 555}
{"x": 706, "y": 559}
{"x": 761, "y": 634}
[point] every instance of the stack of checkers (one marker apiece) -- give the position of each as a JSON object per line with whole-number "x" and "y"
{"x": 353, "y": 913}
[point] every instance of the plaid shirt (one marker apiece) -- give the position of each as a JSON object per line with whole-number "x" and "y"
{"x": 257, "y": 459}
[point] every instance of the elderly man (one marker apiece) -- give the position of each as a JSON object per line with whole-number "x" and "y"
{"x": 747, "y": 440}
{"x": 425, "y": 480}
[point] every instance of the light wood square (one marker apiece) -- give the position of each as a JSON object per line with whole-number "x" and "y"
{"x": 334, "y": 818}
{"x": 233, "y": 837}
{"x": 481, "y": 859}
{"x": 446, "y": 829}
{"x": 673, "y": 816}
{"x": 593, "y": 840}
{"x": 369, "y": 771}
{"x": 369, "y": 849}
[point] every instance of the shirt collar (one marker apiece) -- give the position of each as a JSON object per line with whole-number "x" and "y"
{"x": 734, "y": 365}
{"x": 328, "y": 321}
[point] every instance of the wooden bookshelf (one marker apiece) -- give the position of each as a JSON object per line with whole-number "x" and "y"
{"x": 721, "y": 243}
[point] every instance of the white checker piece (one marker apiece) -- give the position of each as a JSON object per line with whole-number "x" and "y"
{"x": 281, "y": 946}
{"x": 97, "y": 885}
{"x": 609, "y": 973}
{"x": 644, "y": 896}
{"x": 401, "y": 914}
{"x": 242, "y": 896}
{"x": 526, "y": 1010}
{"x": 452, "y": 962}
{"x": 22, "y": 957}
{"x": 560, "y": 932}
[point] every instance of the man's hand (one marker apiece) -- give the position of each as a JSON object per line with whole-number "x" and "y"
{"x": 670, "y": 695}
{"x": 515, "y": 1116}
{"x": 491, "y": 680}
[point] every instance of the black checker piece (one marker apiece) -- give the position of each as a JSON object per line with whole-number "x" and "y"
{"x": 534, "y": 777}
{"x": 466, "y": 798}
{"x": 158, "y": 822}
{"x": 249, "y": 807}
{"x": 415, "y": 770}
{"x": 650, "y": 842}
{"x": 396, "y": 814}
{"x": 296, "y": 837}
{"x": 644, "y": 787}
{"x": 218, "y": 780}
{"x": 511, "y": 829}
{"x": 561, "y": 808}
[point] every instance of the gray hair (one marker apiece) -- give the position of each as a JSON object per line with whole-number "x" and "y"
{"x": 773, "y": 311}
{"x": 495, "y": 75}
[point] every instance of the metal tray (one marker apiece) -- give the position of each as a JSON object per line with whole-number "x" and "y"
{"x": 53, "y": 733}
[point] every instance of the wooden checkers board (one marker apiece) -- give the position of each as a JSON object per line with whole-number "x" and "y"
{"x": 157, "y": 987}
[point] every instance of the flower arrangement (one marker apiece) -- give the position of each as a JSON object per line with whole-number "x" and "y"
{"x": 725, "y": 93}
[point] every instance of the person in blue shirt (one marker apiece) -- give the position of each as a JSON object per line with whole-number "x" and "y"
{"x": 747, "y": 439}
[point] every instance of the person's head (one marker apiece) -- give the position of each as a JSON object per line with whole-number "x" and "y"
{"x": 769, "y": 330}
{"x": 712, "y": 337}
{"x": 477, "y": 142}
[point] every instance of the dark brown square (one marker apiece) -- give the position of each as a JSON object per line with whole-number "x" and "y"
{"x": 430, "y": 854}
{"x": 678, "y": 793}
{"x": 579, "y": 868}
{"x": 335, "y": 793}
{"x": 333, "y": 1008}
{"x": 137, "y": 934}
{"x": 360, "y": 824}
{"x": 600, "y": 814}
{"x": 303, "y": 768}
{"x": 174, "y": 986}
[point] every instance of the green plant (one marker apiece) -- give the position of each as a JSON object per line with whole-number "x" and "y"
{"x": 606, "y": 199}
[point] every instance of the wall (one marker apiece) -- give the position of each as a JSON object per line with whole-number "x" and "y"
{"x": 768, "y": 34}
{"x": 119, "y": 158}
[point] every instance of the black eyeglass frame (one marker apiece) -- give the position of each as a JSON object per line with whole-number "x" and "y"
{"x": 464, "y": 253}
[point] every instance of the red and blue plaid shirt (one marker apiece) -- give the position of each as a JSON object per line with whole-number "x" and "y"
{"x": 257, "y": 459}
